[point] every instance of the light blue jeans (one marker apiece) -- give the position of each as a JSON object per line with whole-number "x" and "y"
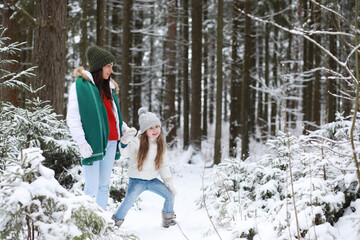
{"x": 137, "y": 186}
{"x": 97, "y": 176}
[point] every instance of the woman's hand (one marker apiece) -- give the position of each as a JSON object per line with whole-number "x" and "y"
{"x": 128, "y": 136}
{"x": 85, "y": 150}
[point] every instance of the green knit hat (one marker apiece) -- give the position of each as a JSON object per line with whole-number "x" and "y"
{"x": 98, "y": 58}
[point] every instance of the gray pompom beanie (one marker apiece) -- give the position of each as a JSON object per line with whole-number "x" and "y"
{"x": 147, "y": 119}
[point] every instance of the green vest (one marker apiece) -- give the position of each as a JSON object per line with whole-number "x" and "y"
{"x": 94, "y": 119}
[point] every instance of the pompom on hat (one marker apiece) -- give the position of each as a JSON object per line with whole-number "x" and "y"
{"x": 147, "y": 119}
{"x": 98, "y": 58}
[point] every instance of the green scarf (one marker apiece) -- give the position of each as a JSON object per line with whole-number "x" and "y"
{"x": 94, "y": 119}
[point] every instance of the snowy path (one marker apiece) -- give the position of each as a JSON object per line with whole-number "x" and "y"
{"x": 146, "y": 223}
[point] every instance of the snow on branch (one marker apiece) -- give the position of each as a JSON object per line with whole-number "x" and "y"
{"x": 306, "y": 34}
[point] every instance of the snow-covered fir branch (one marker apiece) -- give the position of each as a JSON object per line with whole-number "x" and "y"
{"x": 241, "y": 194}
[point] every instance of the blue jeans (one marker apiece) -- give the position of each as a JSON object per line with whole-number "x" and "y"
{"x": 137, "y": 186}
{"x": 97, "y": 176}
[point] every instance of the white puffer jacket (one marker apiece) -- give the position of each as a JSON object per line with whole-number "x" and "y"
{"x": 148, "y": 172}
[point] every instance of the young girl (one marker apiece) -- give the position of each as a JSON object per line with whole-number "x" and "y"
{"x": 95, "y": 121}
{"x": 147, "y": 160}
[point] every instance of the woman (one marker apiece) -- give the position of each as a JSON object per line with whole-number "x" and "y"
{"x": 95, "y": 121}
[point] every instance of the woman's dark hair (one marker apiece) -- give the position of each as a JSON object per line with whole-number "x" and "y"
{"x": 102, "y": 84}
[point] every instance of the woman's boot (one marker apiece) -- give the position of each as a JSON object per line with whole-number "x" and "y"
{"x": 118, "y": 222}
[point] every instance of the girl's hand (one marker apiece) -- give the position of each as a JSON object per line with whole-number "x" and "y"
{"x": 171, "y": 187}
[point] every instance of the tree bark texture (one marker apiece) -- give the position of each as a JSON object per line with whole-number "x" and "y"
{"x": 100, "y": 23}
{"x": 267, "y": 102}
{"x": 84, "y": 32}
{"x": 14, "y": 33}
{"x": 186, "y": 97}
{"x": 211, "y": 103}
{"x": 331, "y": 100}
{"x": 273, "y": 103}
{"x": 245, "y": 91}
{"x": 235, "y": 103}
{"x": 219, "y": 82}
{"x": 206, "y": 75}
{"x": 170, "y": 111}
{"x": 196, "y": 74}
{"x": 308, "y": 84}
{"x": 49, "y": 52}
{"x": 316, "y": 14}
{"x": 126, "y": 61}
{"x": 137, "y": 55}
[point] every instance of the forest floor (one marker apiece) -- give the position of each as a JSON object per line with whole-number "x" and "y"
{"x": 193, "y": 223}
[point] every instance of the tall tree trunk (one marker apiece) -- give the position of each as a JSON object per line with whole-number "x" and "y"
{"x": 196, "y": 61}
{"x": 308, "y": 84}
{"x": 150, "y": 84}
{"x": 252, "y": 92}
{"x": 28, "y": 58}
{"x": 186, "y": 73}
{"x": 274, "y": 105}
{"x": 331, "y": 100}
{"x": 219, "y": 82}
{"x": 100, "y": 23}
{"x": 260, "y": 57}
{"x": 317, "y": 57}
{"x": 291, "y": 104}
{"x": 137, "y": 55}
{"x": 225, "y": 100}
{"x": 211, "y": 49}
{"x": 206, "y": 76}
{"x": 267, "y": 103}
{"x": 126, "y": 61}
{"x": 170, "y": 112}
{"x": 14, "y": 33}
{"x": 162, "y": 88}
{"x": 116, "y": 37}
{"x": 84, "y": 32}
{"x": 179, "y": 66}
{"x": 49, "y": 50}
{"x": 245, "y": 91}
{"x": 235, "y": 104}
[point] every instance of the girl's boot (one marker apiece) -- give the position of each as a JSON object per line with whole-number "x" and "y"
{"x": 168, "y": 219}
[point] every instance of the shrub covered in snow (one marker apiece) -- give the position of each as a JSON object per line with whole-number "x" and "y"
{"x": 37, "y": 125}
{"x": 34, "y": 205}
{"x": 242, "y": 195}
{"x": 119, "y": 179}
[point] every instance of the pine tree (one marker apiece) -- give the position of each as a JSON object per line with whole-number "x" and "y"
{"x": 219, "y": 83}
{"x": 49, "y": 52}
{"x": 196, "y": 73}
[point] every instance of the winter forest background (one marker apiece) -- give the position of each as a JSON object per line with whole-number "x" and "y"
{"x": 263, "y": 93}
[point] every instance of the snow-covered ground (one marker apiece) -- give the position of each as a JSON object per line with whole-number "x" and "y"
{"x": 255, "y": 206}
{"x": 193, "y": 222}
{"x": 144, "y": 220}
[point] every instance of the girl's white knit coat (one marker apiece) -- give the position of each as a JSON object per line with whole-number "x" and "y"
{"x": 148, "y": 172}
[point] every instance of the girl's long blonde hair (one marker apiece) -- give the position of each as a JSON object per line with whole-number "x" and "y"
{"x": 144, "y": 149}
